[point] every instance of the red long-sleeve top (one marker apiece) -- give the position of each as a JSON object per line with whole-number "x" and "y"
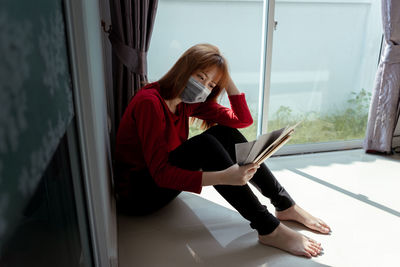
{"x": 148, "y": 131}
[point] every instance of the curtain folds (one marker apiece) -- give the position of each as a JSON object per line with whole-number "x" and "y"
{"x": 385, "y": 108}
{"x": 132, "y": 26}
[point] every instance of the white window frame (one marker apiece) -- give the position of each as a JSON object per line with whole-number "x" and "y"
{"x": 264, "y": 95}
{"x": 87, "y": 70}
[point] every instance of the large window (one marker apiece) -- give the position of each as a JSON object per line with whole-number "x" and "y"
{"x": 322, "y": 66}
{"x": 234, "y": 26}
{"x": 324, "y": 58}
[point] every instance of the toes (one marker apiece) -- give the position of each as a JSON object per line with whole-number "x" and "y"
{"x": 327, "y": 228}
{"x": 324, "y": 225}
{"x": 323, "y": 228}
{"x": 314, "y": 249}
{"x": 307, "y": 254}
{"x": 311, "y": 251}
{"x": 319, "y": 249}
{"x": 313, "y": 241}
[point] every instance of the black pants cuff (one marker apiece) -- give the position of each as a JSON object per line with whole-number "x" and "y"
{"x": 283, "y": 201}
{"x": 265, "y": 224}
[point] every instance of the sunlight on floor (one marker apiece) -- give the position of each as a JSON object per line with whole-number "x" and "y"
{"x": 355, "y": 193}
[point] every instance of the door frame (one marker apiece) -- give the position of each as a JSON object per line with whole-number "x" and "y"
{"x": 269, "y": 25}
{"x": 83, "y": 29}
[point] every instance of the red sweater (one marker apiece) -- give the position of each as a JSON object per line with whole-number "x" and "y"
{"x": 148, "y": 131}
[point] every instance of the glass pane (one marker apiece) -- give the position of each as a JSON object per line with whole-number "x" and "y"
{"x": 325, "y": 55}
{"x": 47, "y": 231}
{"x": 234, "y": 26}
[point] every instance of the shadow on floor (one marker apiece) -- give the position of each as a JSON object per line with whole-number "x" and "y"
{"x": 359, "y": 197}
{"x": 192, "y": 231}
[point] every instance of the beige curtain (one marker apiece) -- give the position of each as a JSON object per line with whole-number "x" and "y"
{"x": 385, "y": 109}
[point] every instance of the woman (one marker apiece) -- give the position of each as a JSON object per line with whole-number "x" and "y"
{"x": 155, "y": 160}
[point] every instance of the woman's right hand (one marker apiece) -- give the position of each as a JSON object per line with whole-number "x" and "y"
{"x": 231, "y": 88}
{"x": 239, "y": 175}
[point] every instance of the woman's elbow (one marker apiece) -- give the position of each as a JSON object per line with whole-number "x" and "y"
{"x": 250, "y": 121}
{"x": 246, "y": 123}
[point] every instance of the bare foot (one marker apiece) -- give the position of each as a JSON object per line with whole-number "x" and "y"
{"x": 295, "y": 213}
{"x": 291, "y": 241}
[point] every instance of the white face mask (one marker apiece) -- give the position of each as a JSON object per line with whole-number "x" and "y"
{"x": 194, "y": 92}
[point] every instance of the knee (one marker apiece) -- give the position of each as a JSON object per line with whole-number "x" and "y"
{"x": 202, "y": 143}
{"x": 213, "y": 154}
{"x": 208, "y": 142}
{"x": 197, "y": 151}
{"x": 225, "y": 131}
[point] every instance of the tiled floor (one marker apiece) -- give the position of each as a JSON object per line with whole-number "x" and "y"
{"x": 357, "y": 194}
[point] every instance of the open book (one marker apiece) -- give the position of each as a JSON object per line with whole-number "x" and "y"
{"x": 267, "y": 144}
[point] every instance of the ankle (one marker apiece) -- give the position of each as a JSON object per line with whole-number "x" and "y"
{"x": 273, "y": 233}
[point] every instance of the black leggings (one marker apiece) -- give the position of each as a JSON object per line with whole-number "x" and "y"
{"x": 214, "y": 150}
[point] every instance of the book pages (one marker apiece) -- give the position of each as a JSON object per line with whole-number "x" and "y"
{"x": 242, "y": 151}
{"x": 262, "y": 143}
{"x": 285, "y": 133}
{"x": 266, "y": 145}
{"x": 273, "y": 150}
